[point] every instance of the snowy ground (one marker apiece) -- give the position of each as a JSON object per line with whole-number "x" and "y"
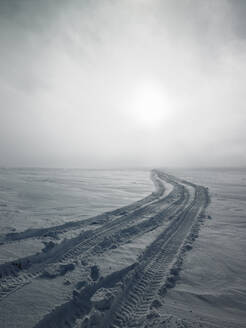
{"x": 212, "y": 285}
{"x": 121, "y": 265}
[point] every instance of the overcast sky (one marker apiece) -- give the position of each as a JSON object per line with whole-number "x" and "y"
{"x": 122, "y": 83}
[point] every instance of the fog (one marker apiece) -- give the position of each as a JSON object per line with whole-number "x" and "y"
{"x": 122, "y": 83}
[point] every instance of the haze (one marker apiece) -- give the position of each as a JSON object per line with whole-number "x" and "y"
{"x": 122, "y": 83}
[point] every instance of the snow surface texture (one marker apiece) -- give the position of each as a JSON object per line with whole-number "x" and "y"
{"x": 117, "y": 269}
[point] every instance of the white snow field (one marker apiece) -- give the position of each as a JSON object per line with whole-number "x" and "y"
{"x": 86, "y": 248}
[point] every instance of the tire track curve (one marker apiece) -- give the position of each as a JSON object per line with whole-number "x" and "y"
{"x": 16, "y": 274}
{"x": 142, "y": 289}
{"x": 145, "y": 284}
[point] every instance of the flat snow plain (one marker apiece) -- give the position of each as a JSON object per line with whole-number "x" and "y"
{"x": 118, "y": 249}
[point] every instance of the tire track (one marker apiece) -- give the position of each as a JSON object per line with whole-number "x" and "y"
{"x": 17, "y": 274}
{"x": 143, "y": 284}
{"x": 135, "y": 302}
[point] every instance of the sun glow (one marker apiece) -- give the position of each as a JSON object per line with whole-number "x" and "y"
{"x": 149, "y": 105}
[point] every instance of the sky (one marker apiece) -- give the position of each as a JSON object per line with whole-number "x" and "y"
{"x": 122, "y": 83}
